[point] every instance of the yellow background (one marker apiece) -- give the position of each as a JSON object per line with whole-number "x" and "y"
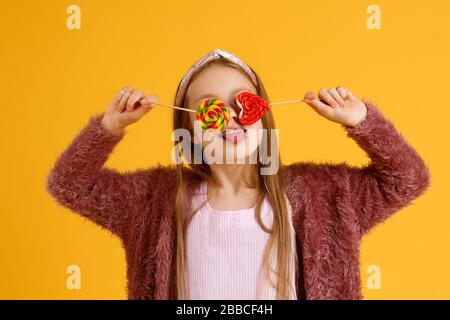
{"x": 52, "y": 79}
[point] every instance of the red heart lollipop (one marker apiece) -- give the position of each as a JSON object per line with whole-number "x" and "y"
{"x": 253, "y": 107}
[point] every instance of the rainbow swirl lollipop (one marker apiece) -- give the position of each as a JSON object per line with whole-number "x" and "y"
{"x": 213, "y": 114}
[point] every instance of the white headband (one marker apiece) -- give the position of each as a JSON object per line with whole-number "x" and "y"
{"x": 211, "y": 56}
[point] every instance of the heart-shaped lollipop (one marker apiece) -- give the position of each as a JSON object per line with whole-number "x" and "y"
{"x": 253, "y": 107}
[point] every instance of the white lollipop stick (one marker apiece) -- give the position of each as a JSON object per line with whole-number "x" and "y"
{"x": 172, "y": 107}
{"x": 286, "y": 102}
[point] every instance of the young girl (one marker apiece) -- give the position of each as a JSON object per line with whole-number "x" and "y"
{"x": 224, "y": 230}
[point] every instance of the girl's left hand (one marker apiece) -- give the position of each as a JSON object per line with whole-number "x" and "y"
{"x": 338, "y": 105}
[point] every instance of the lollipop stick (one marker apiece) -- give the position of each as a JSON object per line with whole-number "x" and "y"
{"x": 172, "y": 107}
{"x": 286, "y": 102}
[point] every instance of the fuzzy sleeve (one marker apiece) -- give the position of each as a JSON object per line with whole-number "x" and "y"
{"x": 79, "y": 182}
{"x": 395, "y": 176}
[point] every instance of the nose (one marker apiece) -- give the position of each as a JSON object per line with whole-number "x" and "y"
{"x": 234, "y": 119}
{"x": 234, "y": 110}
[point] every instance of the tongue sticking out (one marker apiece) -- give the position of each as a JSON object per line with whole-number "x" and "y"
{"x": 234, "y": 135}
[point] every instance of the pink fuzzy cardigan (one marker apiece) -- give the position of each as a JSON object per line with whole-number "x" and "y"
{"x": 333, "y": 205}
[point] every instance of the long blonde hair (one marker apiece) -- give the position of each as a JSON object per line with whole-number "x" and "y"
{"x": 279, "y": 243}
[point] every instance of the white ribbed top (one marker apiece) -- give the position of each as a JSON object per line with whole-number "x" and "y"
{"x": 224, "y": 252}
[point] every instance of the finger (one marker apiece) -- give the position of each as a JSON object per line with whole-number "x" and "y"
{"x": 149, "y": 100}
{"x": 310, "y": 95}
{"x": 122, "y": 92}
{"x": 135, "y": 96}
{"x": 116, "y": 100}
{"x": 327, "y": 98}
{"x": 320, "y": 107}
{"x": 141, "y": 111}
{"x": 343, "y": 92}
{"x": 351, "y": 95}
{"x": 123, "y": 101}
{"x": 333, "y": 92}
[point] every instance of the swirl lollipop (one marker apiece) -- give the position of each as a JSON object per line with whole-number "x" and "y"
{"x": 213, "y": 114}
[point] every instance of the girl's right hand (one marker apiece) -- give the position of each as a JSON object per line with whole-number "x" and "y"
{"x": 127, "y": 107}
